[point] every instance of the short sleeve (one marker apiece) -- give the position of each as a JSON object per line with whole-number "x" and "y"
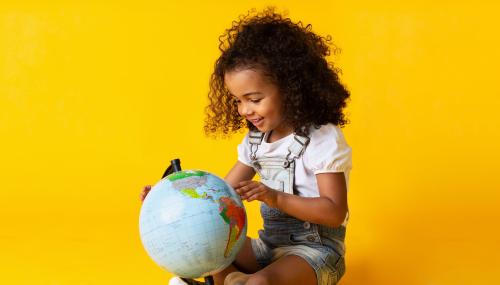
{"x": 328, "y": 151}
{"x": 244, "y": 151}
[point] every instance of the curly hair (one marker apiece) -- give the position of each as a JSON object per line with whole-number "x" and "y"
{"x": 292, "y": 57}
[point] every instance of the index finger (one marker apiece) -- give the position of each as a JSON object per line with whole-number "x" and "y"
{"x": 244, "y": 183}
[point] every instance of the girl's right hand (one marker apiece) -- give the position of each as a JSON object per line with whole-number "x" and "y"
{"x": 145, "y": 192}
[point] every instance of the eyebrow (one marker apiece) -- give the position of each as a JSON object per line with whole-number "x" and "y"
{"x": 249, "y": 93}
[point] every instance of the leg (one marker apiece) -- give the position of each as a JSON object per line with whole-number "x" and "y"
{"x": 245, "y": 261}
{"x": 288, "y": 270}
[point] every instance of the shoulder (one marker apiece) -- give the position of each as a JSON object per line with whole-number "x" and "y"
{"x": 327, "y": 150}
{"x": 328, "y": 135}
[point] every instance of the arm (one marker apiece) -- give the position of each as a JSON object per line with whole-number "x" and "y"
{"x": 329, "y": 209}
{"x": 239, "y": 172}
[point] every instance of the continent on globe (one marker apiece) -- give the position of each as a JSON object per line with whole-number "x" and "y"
{"x": 184, "y": 174}
{"x": 184, "y": 179}
{"x": 234, "y": 215}
{"x": 190, "y": 192}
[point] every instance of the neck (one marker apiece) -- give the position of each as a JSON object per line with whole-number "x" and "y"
{"x": 279, "y": 132}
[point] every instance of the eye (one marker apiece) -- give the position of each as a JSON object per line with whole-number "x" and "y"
{"x": 255, "y": 100}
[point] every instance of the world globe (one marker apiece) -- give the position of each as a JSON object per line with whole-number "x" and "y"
{"x": 192, "y": 223}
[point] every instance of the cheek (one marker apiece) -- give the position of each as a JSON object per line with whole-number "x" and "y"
{"x": 275, "y": 113}
{"x": 275, "y": 109}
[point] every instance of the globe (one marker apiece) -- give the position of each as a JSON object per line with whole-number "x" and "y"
{"x": 192, "y": 223}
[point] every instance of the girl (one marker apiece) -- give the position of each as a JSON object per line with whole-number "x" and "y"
{"x": 273, "y": 78}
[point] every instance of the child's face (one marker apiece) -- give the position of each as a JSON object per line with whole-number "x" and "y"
{"x": 259, "y": 101}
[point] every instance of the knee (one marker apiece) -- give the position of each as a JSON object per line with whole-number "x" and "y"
{"x": 259, "y": 279}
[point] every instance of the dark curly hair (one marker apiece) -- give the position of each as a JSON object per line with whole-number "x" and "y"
{"x": 292, "y": 57}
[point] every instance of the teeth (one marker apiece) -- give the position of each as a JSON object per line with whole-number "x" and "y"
{"x": 255, "y": 121}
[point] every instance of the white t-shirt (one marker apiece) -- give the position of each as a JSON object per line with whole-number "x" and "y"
{"x": 327, "y": 152}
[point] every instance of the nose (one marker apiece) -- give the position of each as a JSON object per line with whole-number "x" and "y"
{"x": 244, "y": 109}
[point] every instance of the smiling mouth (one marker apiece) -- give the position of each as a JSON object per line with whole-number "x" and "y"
{"x": 256, "y": 122}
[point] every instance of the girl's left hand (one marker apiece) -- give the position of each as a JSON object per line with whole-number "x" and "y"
{"x": 254, "y": 190}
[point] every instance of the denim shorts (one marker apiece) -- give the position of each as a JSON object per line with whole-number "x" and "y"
{"x": 322, "y": 247}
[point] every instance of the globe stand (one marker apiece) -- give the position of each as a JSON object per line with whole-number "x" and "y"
{"x": 175, "y": 166}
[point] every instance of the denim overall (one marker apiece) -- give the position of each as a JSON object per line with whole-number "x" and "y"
{"x": 281, "y": 229}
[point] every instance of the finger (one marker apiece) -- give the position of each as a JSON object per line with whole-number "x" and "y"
{"x": 248, "y": 184}
{"x": 256, "y": 196}
{"x": 255, "y": 191}
{"x": 145, "y": 190}
{"x": 246, "y": 188}
{"x": 144, "y": 193}
{"x": 241, "y": 191}
{"x": 244, "y": 183}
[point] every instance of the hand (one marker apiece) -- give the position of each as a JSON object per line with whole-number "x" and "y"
{"x": 253, "y": 190}
{"x": 144, "y": 192}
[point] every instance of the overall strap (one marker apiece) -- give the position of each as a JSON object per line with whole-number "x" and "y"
{"x": 255, "y": 139}
{"x": 296, "y": 149}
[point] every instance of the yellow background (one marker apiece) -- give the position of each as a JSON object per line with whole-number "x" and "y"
{"x": 95, "y": 99}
